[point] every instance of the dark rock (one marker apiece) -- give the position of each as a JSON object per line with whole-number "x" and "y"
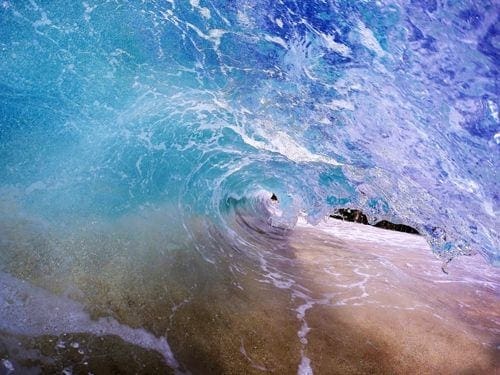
{"x": 397, "y": 227}
{"x": 358, "y": 216}
{"x": 348, "y": 214}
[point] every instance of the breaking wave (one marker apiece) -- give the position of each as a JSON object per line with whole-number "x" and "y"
{"x": 210, "y": 107}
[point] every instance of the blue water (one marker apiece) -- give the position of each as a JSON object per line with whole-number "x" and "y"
{"x": 109, "y": 108}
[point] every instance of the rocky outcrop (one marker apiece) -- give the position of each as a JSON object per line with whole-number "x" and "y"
{"x": 358, "y": 216}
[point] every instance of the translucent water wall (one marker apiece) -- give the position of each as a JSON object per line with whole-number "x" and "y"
{"x": 109, "y": 109}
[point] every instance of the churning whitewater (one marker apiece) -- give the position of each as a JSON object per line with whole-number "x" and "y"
{"x": 141, "y": 143}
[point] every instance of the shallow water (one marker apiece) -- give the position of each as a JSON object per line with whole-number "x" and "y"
{"x": 336, "y": 298}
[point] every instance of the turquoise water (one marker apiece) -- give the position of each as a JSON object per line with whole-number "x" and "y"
{"x": 109, "y": 109}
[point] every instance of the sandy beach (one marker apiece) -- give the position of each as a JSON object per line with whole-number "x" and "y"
{"x": 338, "y": 298}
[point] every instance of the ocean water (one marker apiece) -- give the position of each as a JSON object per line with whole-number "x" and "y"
{"x": 141, "y": 141}
{"x": 392, "y": 107}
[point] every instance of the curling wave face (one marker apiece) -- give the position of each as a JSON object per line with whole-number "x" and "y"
{"x": 110, "y": 108}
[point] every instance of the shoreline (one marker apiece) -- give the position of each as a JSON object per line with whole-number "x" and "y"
{"x": 334, "y": 298}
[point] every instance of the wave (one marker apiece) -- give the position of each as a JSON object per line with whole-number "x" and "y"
{"x": 388, "y": 107}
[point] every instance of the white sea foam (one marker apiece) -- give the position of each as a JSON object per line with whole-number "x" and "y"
{"x": 285, "y": 145}
{"x": 30, "y": 310}
{"x": 277, "y": 40}
{"x": 332, "y": 45}
{"x": 369, "y": 40}
{"x": 205, "y": 12}
{"x": 305, "y": 366}
{"x": 8, "y": 366}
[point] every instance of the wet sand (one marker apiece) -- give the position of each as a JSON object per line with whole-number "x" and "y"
{"x": 394, "y": 310}
{"x": 339, "y": 298}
